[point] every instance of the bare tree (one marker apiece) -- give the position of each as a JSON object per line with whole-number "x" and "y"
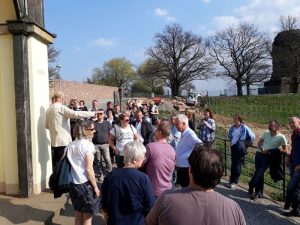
{"x": 288, "y": 22}
{"x": 239, "y": 51}
{"x": 181, "y": 55}
{"x": 147, "y": 71}
{"x": 53, "y": 67}
{"x": 257, "y": 74}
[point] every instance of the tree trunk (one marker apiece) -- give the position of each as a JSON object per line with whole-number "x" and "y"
{"x": 248, "y": 89}
{"x": 239, "y": 87}
{"x": 175, "y": 89}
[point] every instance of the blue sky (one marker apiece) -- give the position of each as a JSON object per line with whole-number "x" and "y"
{"x": 92, "y": 32}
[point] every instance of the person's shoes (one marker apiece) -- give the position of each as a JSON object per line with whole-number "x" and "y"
{"x": 231, "y": 185}
{"x": 287, "y": 205}
{"x": 260, "y": 195}
{"x": 252, "y": 196}
{"x": 250, "y": 191}
{"x": 292, "y": 213}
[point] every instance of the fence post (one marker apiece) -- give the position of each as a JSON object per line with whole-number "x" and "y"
{"x": 284, "y": 174}
{"x": 225, "y": 156}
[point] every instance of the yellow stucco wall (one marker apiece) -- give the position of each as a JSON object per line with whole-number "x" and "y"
{"x": 39, "y": 102}
{"x": 7, "y": 11}
{"x": 8, "y": 144}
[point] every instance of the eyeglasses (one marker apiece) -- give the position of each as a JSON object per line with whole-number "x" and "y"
{"x": 127, "y": 120}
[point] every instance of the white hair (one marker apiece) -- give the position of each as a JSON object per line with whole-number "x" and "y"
{"x": 133, "y": 150}
{"x": 183, "y": 119}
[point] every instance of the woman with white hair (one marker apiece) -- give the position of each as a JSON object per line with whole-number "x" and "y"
{"x": 127, "y": 194}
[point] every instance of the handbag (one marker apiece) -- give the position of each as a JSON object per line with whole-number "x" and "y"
{"x": 59, "y": 181}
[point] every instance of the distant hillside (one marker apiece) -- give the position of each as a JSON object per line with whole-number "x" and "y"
{"x": 259, "y": 109}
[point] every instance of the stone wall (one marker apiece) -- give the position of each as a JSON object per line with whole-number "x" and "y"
{"x": 83, "y": 91}
{"x": 286, "y": 61}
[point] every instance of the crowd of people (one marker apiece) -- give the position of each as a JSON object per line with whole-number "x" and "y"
{"x": 154, "y": 157}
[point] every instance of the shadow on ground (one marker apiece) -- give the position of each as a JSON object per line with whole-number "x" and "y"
{"x": 18, "y": 214}
{"x": 260, "y": 211}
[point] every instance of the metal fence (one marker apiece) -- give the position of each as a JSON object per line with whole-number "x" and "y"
{"x": 249, "y": 166}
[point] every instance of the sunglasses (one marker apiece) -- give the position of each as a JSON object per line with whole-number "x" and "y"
{"x": 90, "y": 129}
{"x": 127, "y": 120}
{"x": 100, "y": 113}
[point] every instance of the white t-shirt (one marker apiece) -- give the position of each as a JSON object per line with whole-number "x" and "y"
{"x": 236, "y": 133}
{"x": 154, "y": 109}
{"x": 77, "y": 151}
{"x": 124, "y": 135}
{"x": 139, "y": 131}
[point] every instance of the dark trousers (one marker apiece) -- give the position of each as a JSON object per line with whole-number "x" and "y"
{"x": 257, "y": 181}
{"x": 183, "y": 176}
{"x": 120, "y": 161}
{"x": 57, "y": 154}
{"x": 237, "y": 160}
{"x": 293, "y": 191}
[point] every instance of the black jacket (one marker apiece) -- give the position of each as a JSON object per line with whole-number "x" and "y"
{"x": 146, "y": 130}
{"x": 275, "y": 163}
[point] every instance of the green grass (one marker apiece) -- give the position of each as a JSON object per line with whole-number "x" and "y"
{"x": 259, "y": 109}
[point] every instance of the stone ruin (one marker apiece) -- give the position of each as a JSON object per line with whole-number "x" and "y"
{"x": 286, "y": 63}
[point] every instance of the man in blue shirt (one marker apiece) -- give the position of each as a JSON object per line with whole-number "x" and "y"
{"x": 175, "y": 134}
{"x": 184, "y": 148}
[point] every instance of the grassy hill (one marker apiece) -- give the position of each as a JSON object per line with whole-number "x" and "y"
{"x": 258, "y": 109}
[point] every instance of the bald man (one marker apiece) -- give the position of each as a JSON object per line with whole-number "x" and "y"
{"x": 58, "y": 124}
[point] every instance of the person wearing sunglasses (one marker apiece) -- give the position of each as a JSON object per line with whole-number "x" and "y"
{"x": 84, "y": 192}
{"x": 122, "y": 134}
{"x": 100, "y": 140}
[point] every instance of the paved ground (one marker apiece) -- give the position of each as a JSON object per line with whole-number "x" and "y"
{"x": 259, "y": 211}
{"x": 43, "y": 209}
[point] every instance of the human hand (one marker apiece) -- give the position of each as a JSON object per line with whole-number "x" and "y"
{"x": 116, "y": 151}
{"x": 265, "y": 152}
{"x": 297, "y": 168}
{"x": 97, "y": 192}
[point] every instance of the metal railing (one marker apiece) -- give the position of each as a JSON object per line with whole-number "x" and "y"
{"x": 227, "y": 154}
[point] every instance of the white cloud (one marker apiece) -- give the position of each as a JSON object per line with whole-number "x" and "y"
{"x": 225, "y": 21}
{"x": 164, "y": 13}
{"x": 206, "y": 1}
{"x": 160, "y": 12}
{"x": 264, "y": 14}
{"x": 104, "y": 42}
{"x": 170, "y": 18}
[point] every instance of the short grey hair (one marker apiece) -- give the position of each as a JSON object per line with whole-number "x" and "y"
{"x": 133, "y": 150}
{"x": 182, "y": 119}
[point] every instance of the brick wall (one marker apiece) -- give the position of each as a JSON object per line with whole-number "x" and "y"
{"x": 83, "y": 91}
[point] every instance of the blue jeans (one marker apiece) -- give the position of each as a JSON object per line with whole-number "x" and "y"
{"x": 257, "y": 181}
{"x": 237, "y": 160}
{"x": 293, "y": 190}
